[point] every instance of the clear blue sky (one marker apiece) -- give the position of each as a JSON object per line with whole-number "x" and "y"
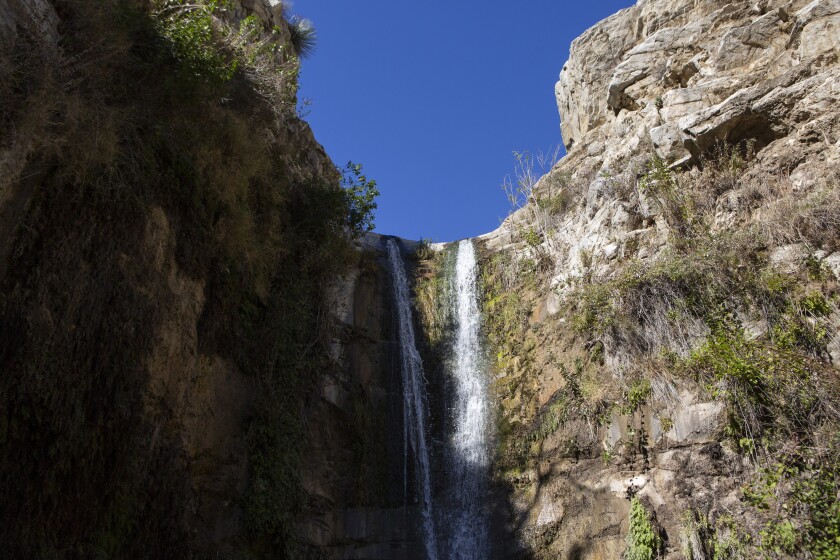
{"x": 433, "y": 99}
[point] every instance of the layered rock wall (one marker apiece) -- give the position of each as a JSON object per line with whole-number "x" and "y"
{"x": 174, "y": 382}
{"x": 749, "y": 89}
{"x": 687, "y": 74}
{"x": 676, "y": 79}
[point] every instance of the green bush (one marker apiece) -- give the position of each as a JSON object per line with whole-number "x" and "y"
{"x": 189, "y": 32}
{"x": 637, "y": 394}
{"x": 781, "y": 538}
{"x": 360, "y": 197}
{"x": 531, "y": 237}
{"x": 643, "y": 540}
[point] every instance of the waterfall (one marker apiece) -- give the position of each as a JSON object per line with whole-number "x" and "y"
{"x": 469, "y": 455}
{"x": 414, "y": 400}
{"x": 464, "y": 522}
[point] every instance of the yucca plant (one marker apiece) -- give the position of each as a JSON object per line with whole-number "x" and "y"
{"x": 304, "y": 36}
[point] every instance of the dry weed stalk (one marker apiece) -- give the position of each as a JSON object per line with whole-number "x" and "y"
{"x": 521, "y": 191}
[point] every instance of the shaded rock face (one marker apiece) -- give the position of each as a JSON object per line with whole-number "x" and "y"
{"x": 25, "y": 13}
{"x": 141, "y": 352}
{"x": 353, "y": 464}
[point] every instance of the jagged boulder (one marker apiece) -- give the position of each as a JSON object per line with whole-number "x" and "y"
{"x": 675, "y": 79}
{"x": 695, "y": 73}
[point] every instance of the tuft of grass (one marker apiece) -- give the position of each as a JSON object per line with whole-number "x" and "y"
{"x": 557, "y": 204}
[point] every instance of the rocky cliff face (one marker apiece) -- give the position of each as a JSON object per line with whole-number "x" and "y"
{"x": 676, "y": 79}
{"x": 169, "y": 231}
{"x": 703, "y": 140}
{"x": 185, "y": 331}
{"x": 353, "y": 465}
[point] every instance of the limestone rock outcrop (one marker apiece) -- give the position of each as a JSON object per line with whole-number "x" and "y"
{"x": 676, "y": 79}
{"x": 685, "y": 75}
{"x": 668, "y": 86}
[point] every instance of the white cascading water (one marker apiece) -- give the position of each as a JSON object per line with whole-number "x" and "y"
{"x": 415, "y": 404}
{"x": 470, "y": 446}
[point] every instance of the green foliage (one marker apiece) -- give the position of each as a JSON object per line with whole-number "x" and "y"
{"x": 728, "y": 356}
{"x": 815, "y": 305}
{"x": 505, "y": 309}
{"x": 595, "y": 310}
{"x": 431, "y": 295}
{"x": 817, "y": 491}
{"x": 730, "y": 542}
{"x": 803, "y": 502}
{"x": 761, "y": 492}
{"x": 188, "y": 29}
{"x": 643, "y": 540}
{"x": 601, "y": 306}
{"x": 360, "y": 195}
{"x": 766, "y": 385}
{"x": 637, "y": 394}
{"x": 531, "y": 237}
{"x": 781, "y": 538}
{"x": 250, "y": 27}
{"x": 209, "y": 47}
{"x": 506, "y": 312}
{"x": 775, "y": 286}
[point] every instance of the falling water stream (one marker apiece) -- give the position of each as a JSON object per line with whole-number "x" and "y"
{"x": 469, "y": 453}
{"x": 459, "y": 514}
{"x": 415, "y": 403}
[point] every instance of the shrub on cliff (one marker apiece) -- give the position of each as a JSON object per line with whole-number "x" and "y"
{"x": 643, "y": 540}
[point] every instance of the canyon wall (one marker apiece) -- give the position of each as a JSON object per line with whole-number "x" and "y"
{"x": 177, "y": 377}
{"x": 641, "y": 307}
{"x": 198, "y": 361}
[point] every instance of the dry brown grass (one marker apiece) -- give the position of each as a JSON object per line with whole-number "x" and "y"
{"x": 812, "y": 219}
